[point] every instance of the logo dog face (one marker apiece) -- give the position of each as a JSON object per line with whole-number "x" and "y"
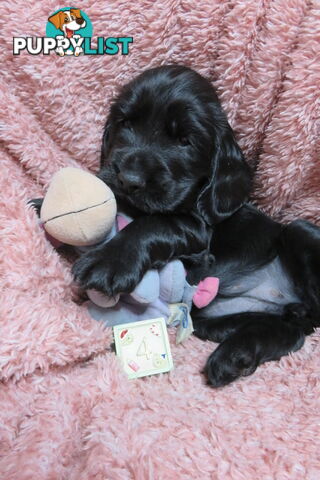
{"x": 68, "y": 21}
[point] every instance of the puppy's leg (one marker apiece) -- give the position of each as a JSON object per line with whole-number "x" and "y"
{"x": 219, "y": 329}
{"x": 299, "y": 252}
{"x": 267, "y": 338}
{"x": 147, "y": 242}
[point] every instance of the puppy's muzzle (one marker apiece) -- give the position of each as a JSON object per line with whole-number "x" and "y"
{"x": 130, "y": 181}
{"x": 130, "y": 173}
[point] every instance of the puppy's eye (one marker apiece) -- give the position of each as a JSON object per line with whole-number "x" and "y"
{"x": 125, "y": 123}
{"x": 184, "y": 141}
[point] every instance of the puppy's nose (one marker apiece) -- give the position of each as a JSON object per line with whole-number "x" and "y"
{"x": 131, "y": 181}
{"x": 80, "y": 21}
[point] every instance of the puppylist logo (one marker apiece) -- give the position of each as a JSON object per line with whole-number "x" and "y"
{"x": 69, "y": 32}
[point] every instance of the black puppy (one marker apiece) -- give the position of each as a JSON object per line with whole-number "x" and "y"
{"x": 171, "y": 159}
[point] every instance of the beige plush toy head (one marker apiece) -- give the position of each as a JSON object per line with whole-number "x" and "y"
{"x": 79, "y": 209}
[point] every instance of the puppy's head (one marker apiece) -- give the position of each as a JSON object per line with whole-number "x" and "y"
{"x": 68, "y": 21}
{"x": 167, "y": 147}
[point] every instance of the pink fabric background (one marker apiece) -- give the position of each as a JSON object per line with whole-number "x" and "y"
{"x": 66, "y": 409}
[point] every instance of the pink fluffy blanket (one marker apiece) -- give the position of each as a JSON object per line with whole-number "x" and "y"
{"x": 66, "y": 409}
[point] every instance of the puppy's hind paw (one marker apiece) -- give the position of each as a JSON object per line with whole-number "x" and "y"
{"x": 227, "y": 364}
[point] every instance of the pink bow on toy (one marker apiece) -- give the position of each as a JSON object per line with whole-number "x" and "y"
{"x": 206, "y": 292}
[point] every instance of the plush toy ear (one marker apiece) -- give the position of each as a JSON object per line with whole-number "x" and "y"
{"x": 230, "y": 179}
{"x": 57, "y": 19}
{"x": 105, "y": 147}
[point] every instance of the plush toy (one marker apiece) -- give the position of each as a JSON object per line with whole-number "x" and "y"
{"x": 79, "y": 209}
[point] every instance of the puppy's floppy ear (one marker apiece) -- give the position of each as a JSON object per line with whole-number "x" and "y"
{"x": 57, "y": 19}
{"x": 230, "y": 179}
{"x": 105, "y": 147}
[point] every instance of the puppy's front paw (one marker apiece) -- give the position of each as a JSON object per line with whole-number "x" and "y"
{"x": 229, "y": 362}
{"x": 107, "y": 270}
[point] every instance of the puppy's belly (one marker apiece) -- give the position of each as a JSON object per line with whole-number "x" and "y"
{"x": 268, "y": 289}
